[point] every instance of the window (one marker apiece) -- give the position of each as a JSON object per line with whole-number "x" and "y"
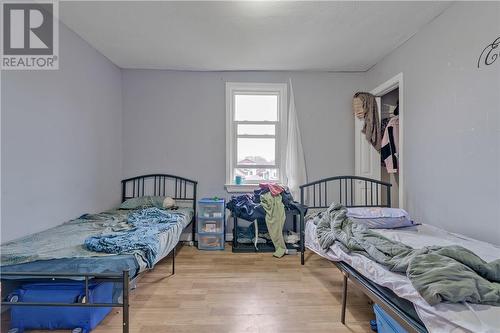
{"x": 255, "y": 131}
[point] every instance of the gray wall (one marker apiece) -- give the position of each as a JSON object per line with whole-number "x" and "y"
{"x": 63, "y": 146}
{"x": 61, "y": 140}
{"x": 174, "y": 122}
{"x": 452, "y": 121}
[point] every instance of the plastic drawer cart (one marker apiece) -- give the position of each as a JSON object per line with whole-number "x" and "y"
{"x": 78, "y": 319}
{"x": 211, "y": 224}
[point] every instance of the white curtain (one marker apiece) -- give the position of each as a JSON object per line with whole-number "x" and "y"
{"x": 295, "y": 164}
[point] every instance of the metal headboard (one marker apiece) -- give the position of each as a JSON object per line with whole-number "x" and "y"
{"x": 342, "y": 189}
{"x": 179, "y": 188}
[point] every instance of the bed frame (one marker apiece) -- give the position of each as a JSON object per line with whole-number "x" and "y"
{"x": 374, "y": 193}
{"x": 178, "y": 188}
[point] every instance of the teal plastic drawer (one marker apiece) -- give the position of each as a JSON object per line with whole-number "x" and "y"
{"x": 210, "y": 225}
{"x": 211, "y": 241}
{"x": 210, "y": 208}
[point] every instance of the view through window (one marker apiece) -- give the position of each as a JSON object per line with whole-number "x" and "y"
{"x": 256, "y": 141}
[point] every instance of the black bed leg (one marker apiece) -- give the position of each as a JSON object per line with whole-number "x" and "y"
{"x": 173, "y": 261}
{"x": 302, "y": 248}
{"x": 344, "y": 300}
{"x": 125, "y": 302}
{"x": 193, "y": 232}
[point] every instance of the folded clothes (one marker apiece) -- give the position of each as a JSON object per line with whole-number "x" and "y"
{"x": 292, "y": 237}
{"x": 246, "y": 235}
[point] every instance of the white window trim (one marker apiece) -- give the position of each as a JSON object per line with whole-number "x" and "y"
{"x": 235, "y": 87}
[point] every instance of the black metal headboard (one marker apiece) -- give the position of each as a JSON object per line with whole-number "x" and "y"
{"x": 179, "y": 188}
{"x": 342, "y": 189}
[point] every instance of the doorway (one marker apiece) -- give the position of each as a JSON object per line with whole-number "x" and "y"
{"x": 368, "y": 161}
{"x": 389, "y": 111}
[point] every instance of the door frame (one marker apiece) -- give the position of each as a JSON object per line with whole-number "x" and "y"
{"x": 382, "y": 89}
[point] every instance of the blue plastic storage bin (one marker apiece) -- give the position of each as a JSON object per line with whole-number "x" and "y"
{"x": 211, "y": 241}
{"x": 55, "y": 317}
{"x": 385, "y": 323}
{"x": 211, "y": 224}
{"x": 211, "y": 208}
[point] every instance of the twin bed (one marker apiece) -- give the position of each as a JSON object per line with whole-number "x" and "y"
{"x": 59, "y": 253}
{"x": 394, "y": 292}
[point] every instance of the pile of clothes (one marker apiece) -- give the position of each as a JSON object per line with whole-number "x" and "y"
{"x": 269, "y": 204}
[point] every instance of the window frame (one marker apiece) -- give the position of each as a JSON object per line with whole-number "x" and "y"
{"x": 242, "y": 88}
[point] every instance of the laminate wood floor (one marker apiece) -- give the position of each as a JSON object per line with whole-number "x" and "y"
{"x": 221, "y": 291}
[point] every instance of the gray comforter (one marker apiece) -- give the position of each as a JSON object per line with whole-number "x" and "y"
{"x": 448, "y": 273}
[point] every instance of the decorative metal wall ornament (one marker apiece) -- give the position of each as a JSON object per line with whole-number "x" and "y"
{"x": 490, "y": 53}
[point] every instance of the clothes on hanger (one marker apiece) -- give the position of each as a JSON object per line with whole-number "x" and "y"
{"x": 383, "y": 124}
{"x": 390, "y": 145}
{"x": 371, "y": 127}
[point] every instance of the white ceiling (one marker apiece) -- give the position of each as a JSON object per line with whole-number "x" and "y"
{"x": 332, "y": 36}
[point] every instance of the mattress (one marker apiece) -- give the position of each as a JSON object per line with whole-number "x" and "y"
{"x": 42, "y": 252}
{"x": 444, "y": 317}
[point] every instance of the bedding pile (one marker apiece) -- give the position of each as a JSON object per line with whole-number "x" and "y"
{"x": 140, "y": 236}
{"x": 439, "y": 273}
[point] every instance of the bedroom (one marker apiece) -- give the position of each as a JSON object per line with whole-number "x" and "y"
{"x": 143, "y": 88}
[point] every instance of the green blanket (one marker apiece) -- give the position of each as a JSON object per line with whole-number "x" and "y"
{"x": 449, "y": 273}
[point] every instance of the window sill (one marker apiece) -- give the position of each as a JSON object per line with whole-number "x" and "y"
{"x": 242, "y": 188}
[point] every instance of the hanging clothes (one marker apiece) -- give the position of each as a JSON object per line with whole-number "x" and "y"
{"x": 275, "y": 220}
{"x": 383, "y": 124}
{"x": 390, "y": 145}
{"x": 371, "y": 127}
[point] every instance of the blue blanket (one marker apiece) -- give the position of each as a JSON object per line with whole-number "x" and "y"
{"x": 142, "y": 237}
